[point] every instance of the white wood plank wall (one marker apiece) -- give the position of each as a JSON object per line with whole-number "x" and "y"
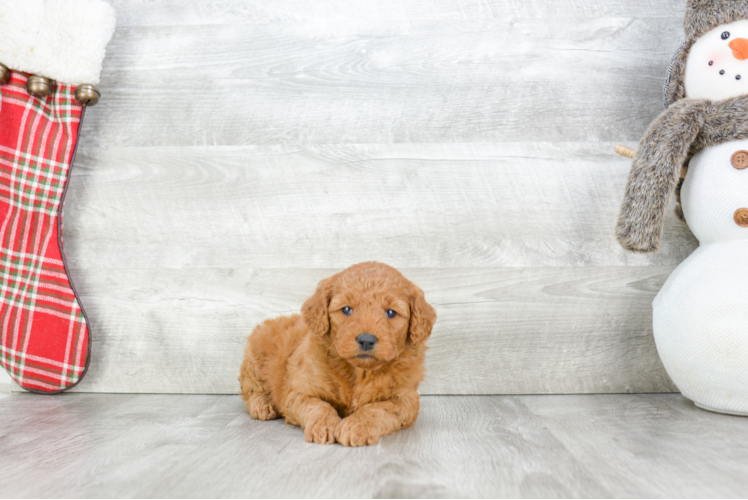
{"x": 243, "y": 150}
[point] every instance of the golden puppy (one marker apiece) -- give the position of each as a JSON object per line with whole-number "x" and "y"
{"x": 347, "y": 368}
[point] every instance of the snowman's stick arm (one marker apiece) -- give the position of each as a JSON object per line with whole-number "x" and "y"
{"x": 625, "y": 151}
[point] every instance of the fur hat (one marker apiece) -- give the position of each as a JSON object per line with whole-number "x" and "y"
{"x": 701, "y": 16}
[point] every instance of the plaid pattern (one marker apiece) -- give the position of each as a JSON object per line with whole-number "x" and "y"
{"x": 45, "y": 339}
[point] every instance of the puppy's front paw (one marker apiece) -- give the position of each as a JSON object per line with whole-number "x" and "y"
{"x": 322, "y": 430}
{"x": 261, "y": 408}
{"x": 356, "y": 432}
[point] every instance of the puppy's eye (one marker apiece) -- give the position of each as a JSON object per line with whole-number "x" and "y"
{"x": 347, "y": 311}
{"x": 725, "y": 35}
{"x": 391, "y": 314}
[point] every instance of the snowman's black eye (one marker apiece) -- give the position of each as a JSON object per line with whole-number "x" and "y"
{"x": 737, "y": 77}
{"x": 725, "y": 35}
{"x": 711, "y": 62}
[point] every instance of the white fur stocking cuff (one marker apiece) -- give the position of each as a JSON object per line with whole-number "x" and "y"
{"x": 64, "y": 40}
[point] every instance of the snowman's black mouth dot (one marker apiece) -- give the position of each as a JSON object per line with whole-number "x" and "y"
{"x": 711, "y": 63}
{"x": 722, "y": 72}
{"x": 737, "y": 77}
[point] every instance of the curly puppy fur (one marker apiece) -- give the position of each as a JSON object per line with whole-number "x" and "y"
{"x": 310, "y": 368}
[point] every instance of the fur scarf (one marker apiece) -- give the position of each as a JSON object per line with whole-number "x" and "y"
{"x": 686, "y": 127}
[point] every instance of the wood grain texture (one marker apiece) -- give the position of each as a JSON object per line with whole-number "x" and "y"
{"x": 179, "y": 254}
{"x": 243, "y": 150}
{"x": 626, "y": 446}
{"x": 6, "y": 383}
{"x": 183, "y": 331}
{"x": 457, "y": 205}
{"x": 433, "y": 71}
{"x": 658, "y": 429}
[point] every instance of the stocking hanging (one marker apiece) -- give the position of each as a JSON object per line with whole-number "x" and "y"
{"x": 45, "y": 339}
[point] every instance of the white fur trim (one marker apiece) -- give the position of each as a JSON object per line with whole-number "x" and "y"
{"x": 64, "y": 40}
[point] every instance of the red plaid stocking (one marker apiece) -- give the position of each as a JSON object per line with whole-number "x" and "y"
{"x": 45, "y": 339}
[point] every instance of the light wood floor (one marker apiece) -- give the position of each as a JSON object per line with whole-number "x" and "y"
{"x": 81, "y": 445}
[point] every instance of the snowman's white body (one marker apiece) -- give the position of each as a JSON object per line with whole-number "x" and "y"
{"x": 701, "y": 314}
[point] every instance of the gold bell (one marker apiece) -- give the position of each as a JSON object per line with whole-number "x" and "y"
{"x": 38, "y": 86}
{"x": 87, "y": 94}
{"x": 4, "y": 74}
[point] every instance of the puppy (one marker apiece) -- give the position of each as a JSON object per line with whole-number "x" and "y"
{"x": 347, "y": 368}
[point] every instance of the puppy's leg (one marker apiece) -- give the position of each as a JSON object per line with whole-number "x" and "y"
{"x": 261, "y": 407}
{"x": 374, "y": 420}
{"x": 317, "y": 417}
{"x": 258, "y": 401}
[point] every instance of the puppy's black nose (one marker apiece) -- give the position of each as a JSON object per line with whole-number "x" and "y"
{"x": 366, "y": 342}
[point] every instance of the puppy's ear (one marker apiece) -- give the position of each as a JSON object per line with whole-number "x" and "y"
{"x": 422, "y": 316}
{"x": 314, "y": 310}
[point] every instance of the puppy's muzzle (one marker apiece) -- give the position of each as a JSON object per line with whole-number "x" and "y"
{"x": 366, "y": 342}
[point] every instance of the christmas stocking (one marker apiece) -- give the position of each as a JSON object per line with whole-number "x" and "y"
{"x": 50, "y": 59}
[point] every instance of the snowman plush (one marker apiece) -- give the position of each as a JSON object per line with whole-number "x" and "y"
{"x": 701, "y": 313}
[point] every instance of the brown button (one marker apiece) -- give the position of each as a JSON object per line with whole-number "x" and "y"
{"x": 741, "y": 217}
{"x": 740, "y": 160}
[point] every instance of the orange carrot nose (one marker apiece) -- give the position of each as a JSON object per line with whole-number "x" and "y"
{"x": 739, "y": 48}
